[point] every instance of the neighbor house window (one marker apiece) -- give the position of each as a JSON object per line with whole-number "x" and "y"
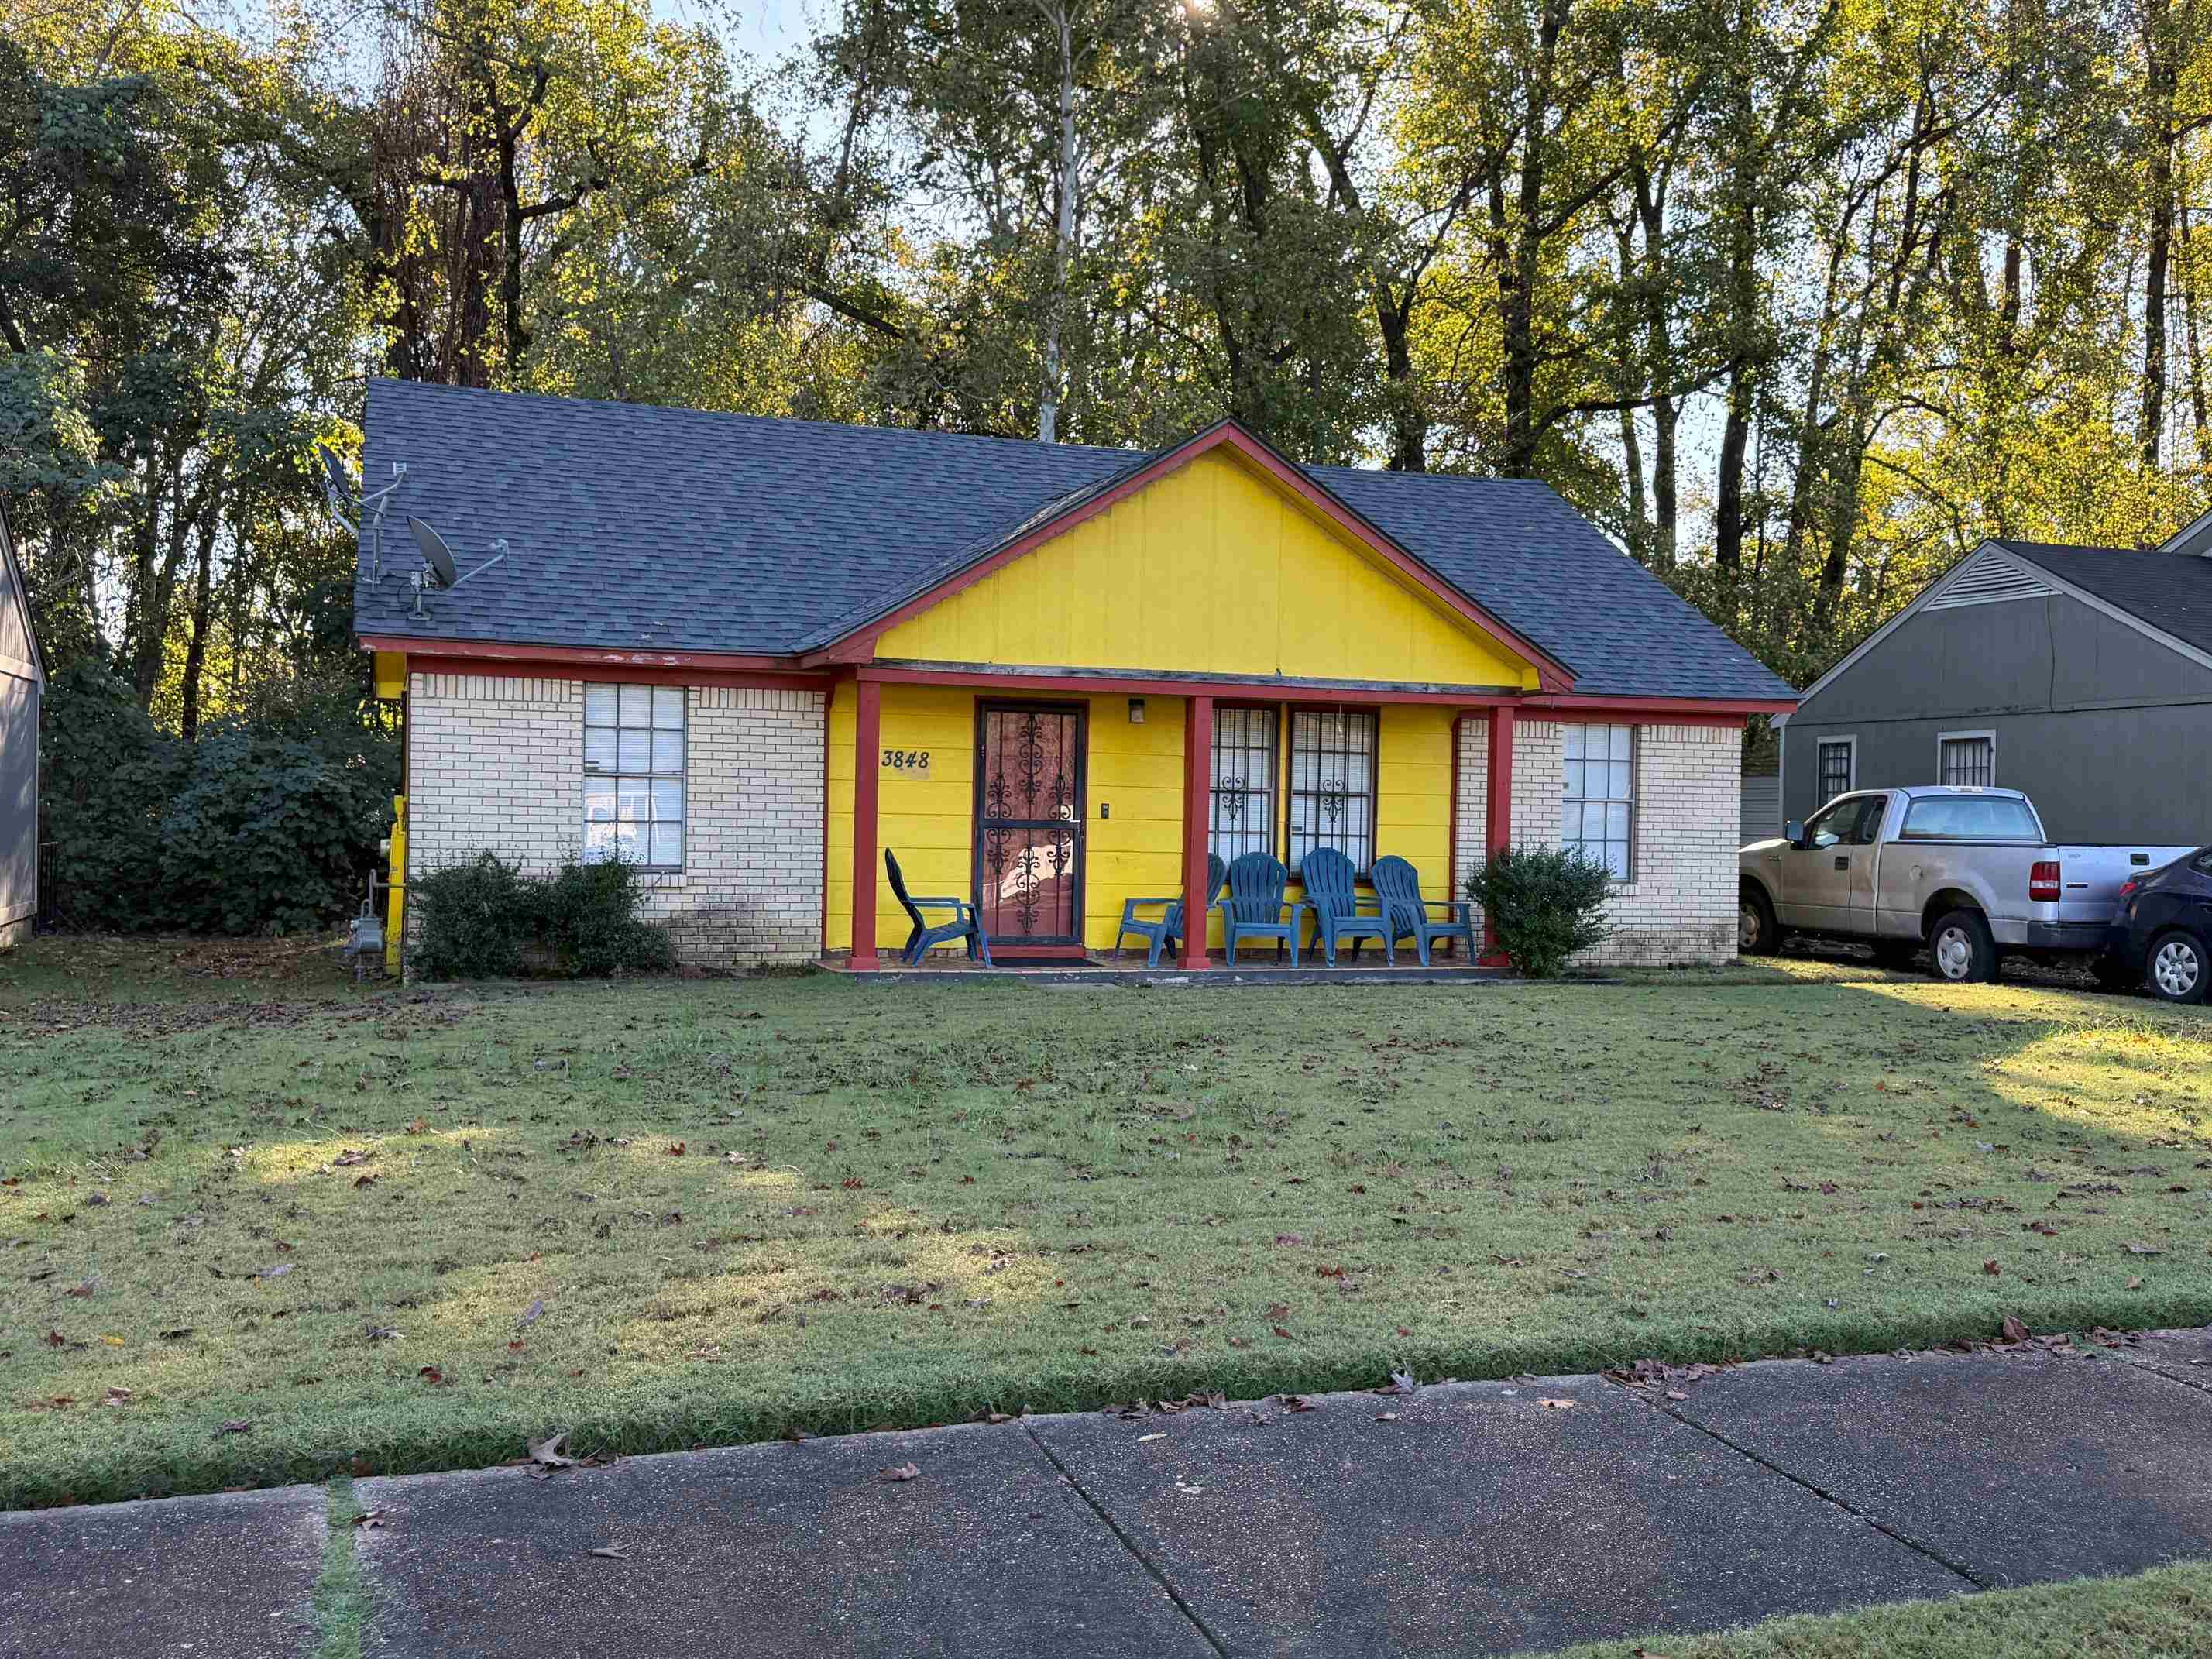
{"x": 1966, "y": 758}
{"x": 633, "y": 775}
{"x": 1839, "y": 758}
{"x": 1332, "y": 784}
{"x": 1598, "y": 803}
{"x": 1243, "y": 802}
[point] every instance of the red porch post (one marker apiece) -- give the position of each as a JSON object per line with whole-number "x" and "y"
{"x": 1197, "y": 798}
{"x": 1498, "y": 814}
{"x": 867, "y": 742}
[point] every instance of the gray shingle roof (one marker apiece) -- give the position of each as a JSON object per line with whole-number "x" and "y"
{"x": 633, "y": 526}
{"x": 2172, "y": 592}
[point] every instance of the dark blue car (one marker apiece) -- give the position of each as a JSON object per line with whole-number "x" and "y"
{"x": 2161, "y": 936}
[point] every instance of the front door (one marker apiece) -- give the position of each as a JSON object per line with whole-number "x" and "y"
{"x": 1028, "y": 823}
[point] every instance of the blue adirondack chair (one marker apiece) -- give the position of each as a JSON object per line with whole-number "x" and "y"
{"x": 1334, "y": 902}
{"x": 1256, "y": 908}
{"x": 1398, "y": 884}
{"x": 1168, "y": 929}
{"x": 964, "y": 925}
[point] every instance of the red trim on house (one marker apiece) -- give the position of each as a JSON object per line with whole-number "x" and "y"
{"x": 1497, "y": 811}
{"x": 1668, "y": 711}
{"x": 1555, "y": 676}
{"x": 829, "y": 698}
{"x": 1270, "y": 692}
{"x": 1451, "y": 846}
{"x": 565, "y": 661}
{"x": 867, "y": 741}
{"x": 1197, "y": 798}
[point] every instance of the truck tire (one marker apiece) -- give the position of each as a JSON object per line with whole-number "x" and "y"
{"x": 1962, "y": 949}
{"x": 1757, "y": 933}
{"x": 2181, "y": 969}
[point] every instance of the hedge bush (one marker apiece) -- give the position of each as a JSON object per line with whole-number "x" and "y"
{"x": 260, "y": 827}
{"x": 486, "y": 920}
{"x": 1544, "y": 904}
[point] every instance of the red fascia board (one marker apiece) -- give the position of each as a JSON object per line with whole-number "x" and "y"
{"x": 1672, "y": 711}
{"x": 1553, "y": 675}
{"x": 1219, "y": 690}
{"x": 564, "y": 661}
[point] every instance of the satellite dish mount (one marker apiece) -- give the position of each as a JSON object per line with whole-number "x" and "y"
{"x": 438, "y": 572}
{"x": 339, "y": 498}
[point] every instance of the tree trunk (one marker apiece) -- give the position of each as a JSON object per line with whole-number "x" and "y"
{"x": 188, "y": 720}
{"x": 2163, "y": 75}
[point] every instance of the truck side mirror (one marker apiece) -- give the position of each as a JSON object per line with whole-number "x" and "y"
{"x": 1793, "y": 833}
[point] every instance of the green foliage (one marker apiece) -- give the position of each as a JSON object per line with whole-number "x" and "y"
{"x": 1544, "y": 903}
{"x": 270, "y": 827}
{"x": 486, "y": 920}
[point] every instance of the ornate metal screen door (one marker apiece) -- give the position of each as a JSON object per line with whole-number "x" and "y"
{"x": 1028, "y": 825}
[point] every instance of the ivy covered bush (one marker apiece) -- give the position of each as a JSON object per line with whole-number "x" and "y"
{"x": 264, "y": 826}
{"x": 486, "y": 920}
{"x": 1544, "y": 904}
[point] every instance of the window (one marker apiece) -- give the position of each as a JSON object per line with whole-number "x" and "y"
{"x": 1839, "y": 761}
{"x": 1244, "y": 808}
{"x": 1966, "y": 758}
{"x": 1332, "y": 784}
{"x": 1969, "y": 817}
{"x": 633, "y": 775}
{"x": 1598, "y": 804}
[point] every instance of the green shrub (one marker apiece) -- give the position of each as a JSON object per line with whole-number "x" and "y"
{"x": 1544, "y": 903}
{"x": 486, "y": 920}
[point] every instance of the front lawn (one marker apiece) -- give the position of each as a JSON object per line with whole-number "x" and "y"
{"x": 260, "y": 1230}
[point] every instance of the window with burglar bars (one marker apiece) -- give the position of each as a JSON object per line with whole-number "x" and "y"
{"x": 1244, "y": 809}
{"x": 634, "y": 775}
{"x": 1332, "y": 784}
{"x": 1835, "y": 768}
{"x": 1597, "y": 810}
{"x": 1972, "y": 759}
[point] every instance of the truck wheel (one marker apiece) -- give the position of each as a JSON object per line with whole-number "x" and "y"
{"x": 2178, "y": 967}
{"x": 1757, "y": 933}
{"x": 1963, "y": 949}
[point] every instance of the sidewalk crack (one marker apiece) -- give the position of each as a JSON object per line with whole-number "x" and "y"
{"x": 1821, "y": 1492}
{"x": 1129, "y": 1544}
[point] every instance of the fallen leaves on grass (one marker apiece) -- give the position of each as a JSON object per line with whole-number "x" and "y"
{"x": 2013, "y": 1330}
{"x": 2144, "y": 1250}
{"x": 234, "y": 1425}
{"x": 546, "y": 1455}
{"x": 531, "y": 1314}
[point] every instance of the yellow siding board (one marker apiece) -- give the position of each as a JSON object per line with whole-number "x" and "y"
{"x": 1213, "y": 569}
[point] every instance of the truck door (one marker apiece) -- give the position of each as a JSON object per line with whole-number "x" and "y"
{"x": 1862, "y": 843}
{"x": 1816, "y": 877}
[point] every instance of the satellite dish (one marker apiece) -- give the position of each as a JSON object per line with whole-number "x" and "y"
{"x": 339, "y": 496}
{"x": 337, "y": 488}
{"x": 439, "y": 571}
{"x": 435, "y": 554}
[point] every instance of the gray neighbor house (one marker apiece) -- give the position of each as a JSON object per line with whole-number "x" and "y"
{"x": 2081, "y": 675}
{"x": 22, "y": 681}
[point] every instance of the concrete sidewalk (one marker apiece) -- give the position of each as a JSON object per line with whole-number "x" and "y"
{"x": 1470, "y": 1518}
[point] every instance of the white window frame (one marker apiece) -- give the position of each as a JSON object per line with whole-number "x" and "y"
{"x": 1942, "y": 738}
{"x": 1607, "y": 799}
{"x": 653, "y": 775}
{"x": 1848, "y": 743}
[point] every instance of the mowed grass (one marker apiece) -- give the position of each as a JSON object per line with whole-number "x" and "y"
{"x": 308, "y": 1232}
{"x": 2163, "y": 1614}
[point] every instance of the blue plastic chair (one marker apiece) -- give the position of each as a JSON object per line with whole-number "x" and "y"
{"x": 1256, "y": 908}
{"x": 965, "y": 923}
{"x": 1333, "y": 897}
{"x": 1398, "y": 884}
{"x": 1168, "y": 929}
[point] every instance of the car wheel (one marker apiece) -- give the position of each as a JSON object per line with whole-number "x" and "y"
{"x": 2177, "y": 967}
{"x": 1963, "y": 949}
{"x": 1757, "y": 933}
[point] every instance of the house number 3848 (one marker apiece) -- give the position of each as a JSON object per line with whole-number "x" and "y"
{"x": 907, "y": 763}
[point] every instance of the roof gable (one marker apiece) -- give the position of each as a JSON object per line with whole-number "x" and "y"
{"x": 637, "y": 530}
{"x": 1206, "y": 561}
{"x": 19, "y": 642}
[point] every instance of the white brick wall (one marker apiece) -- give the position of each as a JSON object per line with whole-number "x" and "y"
{"x": 1681, "y": 906}
{"x": 498, "y": 762}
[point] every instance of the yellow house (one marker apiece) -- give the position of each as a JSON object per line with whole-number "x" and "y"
{"x": 757, "y": 656}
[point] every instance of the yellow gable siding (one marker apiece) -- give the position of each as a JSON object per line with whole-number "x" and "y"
{"x": 1211, "y": 569}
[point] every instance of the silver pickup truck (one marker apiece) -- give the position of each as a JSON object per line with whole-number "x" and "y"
{"x": 1967, "y": 873}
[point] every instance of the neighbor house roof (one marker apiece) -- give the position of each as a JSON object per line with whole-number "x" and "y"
{"x": 641, "y": 528}
{"x": 2172, "y": 592}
